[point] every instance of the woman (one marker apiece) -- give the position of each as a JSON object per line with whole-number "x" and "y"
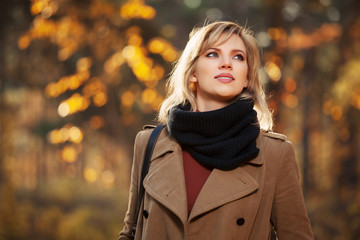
{"x": 217, "y": 170}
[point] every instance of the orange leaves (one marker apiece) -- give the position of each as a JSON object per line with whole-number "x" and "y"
{"x": 72, "y": 105}
{"x": 273, "y": 71}
{"x": 137, "y": 57}
{"x": 44, "y": 7}
{"x": 72, "y": 82}
{"x": 97, "y": 27}
{"x": 95, "y": 90}
{"x": 164, "y": 48}
{"x": 298, "y": 39}
{"x": 68, "y": 33}
{"x": 137, "y": 9}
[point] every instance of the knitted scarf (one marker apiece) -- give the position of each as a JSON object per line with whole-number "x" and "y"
{"x": 224, "y": 138}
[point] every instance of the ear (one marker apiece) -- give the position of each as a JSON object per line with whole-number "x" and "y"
{"x": 193, "y": 78}
{"x": 246, "y": 84}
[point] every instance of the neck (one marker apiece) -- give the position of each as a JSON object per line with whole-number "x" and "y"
{"x": 206, "y": 106}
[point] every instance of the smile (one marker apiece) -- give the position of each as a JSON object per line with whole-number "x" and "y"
{"x": 225, "y": 77}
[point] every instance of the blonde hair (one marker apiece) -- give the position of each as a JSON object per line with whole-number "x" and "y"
{"x": 200, "y": 40}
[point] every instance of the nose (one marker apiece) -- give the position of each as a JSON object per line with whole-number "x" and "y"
{"x": 225, "y": 63}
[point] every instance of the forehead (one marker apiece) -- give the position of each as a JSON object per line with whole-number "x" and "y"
{"x": 233, "y": 40}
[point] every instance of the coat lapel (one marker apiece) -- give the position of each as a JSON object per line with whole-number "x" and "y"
{"x": 225, "y": 186}
{"x": 222, "y": 187}
{"x": 165, "y": 181}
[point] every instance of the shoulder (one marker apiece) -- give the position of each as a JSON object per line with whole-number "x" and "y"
{"x": 277, "y": 143}
{"x": 144, "y": 134}
{"x": 274, "y": 141}
{"x": 277, "y": 148}
{"x": 145, "y": 127}
{"x": 274, "y": 135}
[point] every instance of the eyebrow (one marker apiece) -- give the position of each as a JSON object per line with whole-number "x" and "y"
{"x": 233, "y": 50}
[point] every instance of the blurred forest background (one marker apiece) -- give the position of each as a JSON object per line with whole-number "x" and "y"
{"x": 79, "y": 78}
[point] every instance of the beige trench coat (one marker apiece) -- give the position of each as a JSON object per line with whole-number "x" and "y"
{"x": 243, "y": 203}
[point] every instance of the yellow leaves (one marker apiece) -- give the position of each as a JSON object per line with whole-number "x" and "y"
{"x": 156, "y": 45}
{"x": 164, "y": 48}
{"x": 112, "y": 65}
{"x": 68, "y": 33}
{"x": 150, "y": 96}
{"x": 42, "y": 28}
{"x": 45, "y": 7}
{"x": 90, "y": 175}
{"x": 72, "y": 82}
{"x": 100, "y": 98}
{"x": 68, "y": 133}
{"x": 69, "y": 36}
{"x": 273, "y": 71}
{"x": 97, "y": 91}
{"x": 127, "y": 98}
{"x": 137, "y": 9}
{"x": 136, "y": 55}
{"x": 69, "y": 154}
{"x": 83, "y": 64}
{"x": 72, "y": 105}
{"x": 94, "y": 90}
{"x": 273, "y": 65}
{"x": 107, "y": 177}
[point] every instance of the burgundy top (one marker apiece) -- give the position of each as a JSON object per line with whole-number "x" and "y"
{"x": 195, "y": 178}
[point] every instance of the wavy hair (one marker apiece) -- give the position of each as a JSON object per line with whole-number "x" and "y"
{"x": 200, "y": 40}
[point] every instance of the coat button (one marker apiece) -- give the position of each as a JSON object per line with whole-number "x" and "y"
{"x": 240, "y": 221}
{"x": 145, "y": 214}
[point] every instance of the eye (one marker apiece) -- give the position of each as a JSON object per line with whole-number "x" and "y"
{"x": 212, "y": 54}
{"x": 240, "y": 57}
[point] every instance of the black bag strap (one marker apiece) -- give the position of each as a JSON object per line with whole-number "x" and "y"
{"x": 145, "y": 168}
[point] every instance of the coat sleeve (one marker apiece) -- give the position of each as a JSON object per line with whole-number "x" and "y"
{"x": 134, "y": 188}
{"x": 288, "y": 215}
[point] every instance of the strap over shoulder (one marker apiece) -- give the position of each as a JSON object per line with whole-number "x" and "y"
{"x": 145, "y": 167}
{"x": 275, "y": 135}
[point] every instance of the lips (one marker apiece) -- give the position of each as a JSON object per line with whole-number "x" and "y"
{"x": 225, "y": 77}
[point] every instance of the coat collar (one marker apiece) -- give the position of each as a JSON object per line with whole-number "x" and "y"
{"x": 165, "y": 181}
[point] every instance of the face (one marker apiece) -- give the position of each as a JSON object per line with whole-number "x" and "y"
{"x": 220, "y": 73}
